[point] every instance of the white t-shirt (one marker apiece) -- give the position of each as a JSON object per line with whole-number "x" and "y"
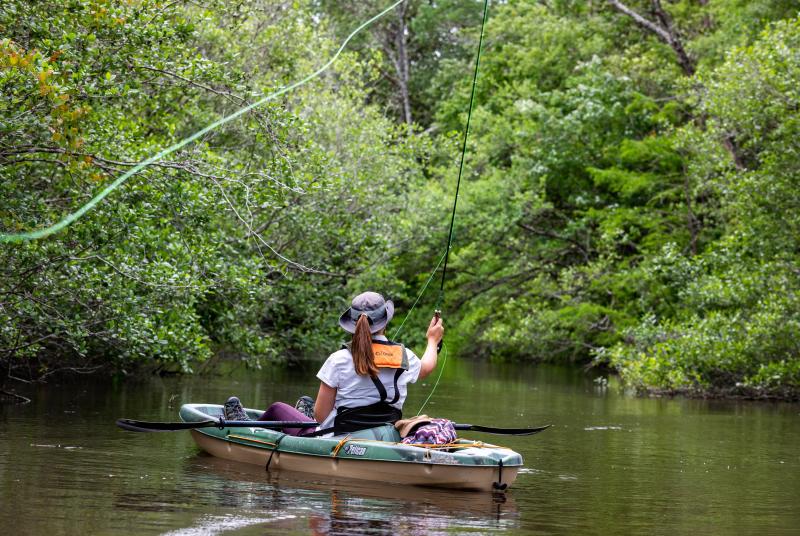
{"x": 353, "y": 390}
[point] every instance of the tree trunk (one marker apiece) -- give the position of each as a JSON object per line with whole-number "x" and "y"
{"x": 402, "y": 64}
{"x": 663, "y": 29}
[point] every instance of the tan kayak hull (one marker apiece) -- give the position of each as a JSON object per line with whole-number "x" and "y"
{"x": 407, "y": 473}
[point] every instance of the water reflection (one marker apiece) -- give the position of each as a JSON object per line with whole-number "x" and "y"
{"x": 340, "y": 507}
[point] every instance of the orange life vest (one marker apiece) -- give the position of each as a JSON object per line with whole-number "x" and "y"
{"x": 389, "y": 355}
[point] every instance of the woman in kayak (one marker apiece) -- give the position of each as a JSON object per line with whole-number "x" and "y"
{"x": 365, "y": 383}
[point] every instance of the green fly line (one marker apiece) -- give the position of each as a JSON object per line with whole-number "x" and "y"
{"x": 440, "y": 300}
{"x": 71, "y": 218}
{"x": 419, "y": 296}
{"x": 436, "y": 383}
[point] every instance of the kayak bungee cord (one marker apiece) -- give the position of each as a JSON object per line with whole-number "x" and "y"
{"x": 72, "y": 217}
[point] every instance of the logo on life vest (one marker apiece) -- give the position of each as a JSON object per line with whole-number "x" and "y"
{"x": 355, "y": 450}
{"x": 387, "y": 356}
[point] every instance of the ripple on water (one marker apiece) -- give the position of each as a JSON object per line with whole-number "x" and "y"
{"x": 530, "y": 471}
{"x": 567, "y": 477}
{"x": 216, "y": 524}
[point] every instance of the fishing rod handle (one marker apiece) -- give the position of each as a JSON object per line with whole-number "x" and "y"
{"x": 437, "y": 314}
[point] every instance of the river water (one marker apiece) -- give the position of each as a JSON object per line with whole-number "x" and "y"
{"x": 611, "y": 464}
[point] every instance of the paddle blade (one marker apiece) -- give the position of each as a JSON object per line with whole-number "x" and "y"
{"x": 502, "y": 431}
{"x": 146, "y": 426}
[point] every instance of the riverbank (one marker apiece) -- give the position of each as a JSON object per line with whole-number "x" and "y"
{"x": 20, "y": 390}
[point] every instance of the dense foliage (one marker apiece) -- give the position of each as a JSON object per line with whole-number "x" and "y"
{"x": 245, "y": 234}
{"x": 630, "y": 195}
{"x": 630, "y": 187}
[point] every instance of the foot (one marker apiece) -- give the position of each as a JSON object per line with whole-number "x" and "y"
{"x": 233, "y": 410}
{"x": 305, "y": 405}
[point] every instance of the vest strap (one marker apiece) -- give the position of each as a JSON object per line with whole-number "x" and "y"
{"x": 381, "y": 389}
{"x": 388, "y": 354}
{"x": 397, "y": 374}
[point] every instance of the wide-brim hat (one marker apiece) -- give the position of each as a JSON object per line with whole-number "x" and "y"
{"x": 378, "y": 310}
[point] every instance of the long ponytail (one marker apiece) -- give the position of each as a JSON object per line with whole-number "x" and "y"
{"x": 361, "y": 348}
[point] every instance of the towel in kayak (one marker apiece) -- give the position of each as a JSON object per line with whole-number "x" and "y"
{"x": 425, "y": 430}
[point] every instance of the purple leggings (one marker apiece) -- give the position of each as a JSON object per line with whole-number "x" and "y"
{"x": 284, "y": 412}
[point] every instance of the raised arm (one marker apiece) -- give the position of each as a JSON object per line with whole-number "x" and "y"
{"x": 431, "y": 355}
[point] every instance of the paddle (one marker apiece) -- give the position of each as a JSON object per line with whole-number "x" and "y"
{"x": 502, "y": 431}
{"x": 148, "y": 426}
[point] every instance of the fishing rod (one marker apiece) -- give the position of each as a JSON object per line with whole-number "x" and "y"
{"x": 437, "y": 313}
{"x": 440, "y": 300}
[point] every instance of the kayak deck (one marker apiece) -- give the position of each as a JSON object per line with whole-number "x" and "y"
{"x": 375, "y": 454}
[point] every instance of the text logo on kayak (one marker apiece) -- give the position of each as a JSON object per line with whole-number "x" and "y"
{"x": 355, "y": 450}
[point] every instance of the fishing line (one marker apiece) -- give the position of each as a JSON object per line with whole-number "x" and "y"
{"x": 446, "y": 255}
{"x": 424, "y": 287}
{"x": 439, "y": 377}
{"x": 408, "y": 314}
{"x": 70, "y": 218}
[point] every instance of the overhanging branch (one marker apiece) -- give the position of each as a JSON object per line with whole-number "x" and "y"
{"x": 663, "y": 29}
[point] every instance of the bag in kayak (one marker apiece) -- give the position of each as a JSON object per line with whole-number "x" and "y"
{"x": 433, "y": 432}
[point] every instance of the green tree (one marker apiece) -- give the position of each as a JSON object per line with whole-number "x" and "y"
{"x": 235, "y": 243}
{"x": 738, "y": 302}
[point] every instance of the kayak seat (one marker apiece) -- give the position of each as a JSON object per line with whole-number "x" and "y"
{"x": 386, "y": 432}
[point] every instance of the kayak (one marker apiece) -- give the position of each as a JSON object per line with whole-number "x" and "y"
{"x": 375, "y": 454}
